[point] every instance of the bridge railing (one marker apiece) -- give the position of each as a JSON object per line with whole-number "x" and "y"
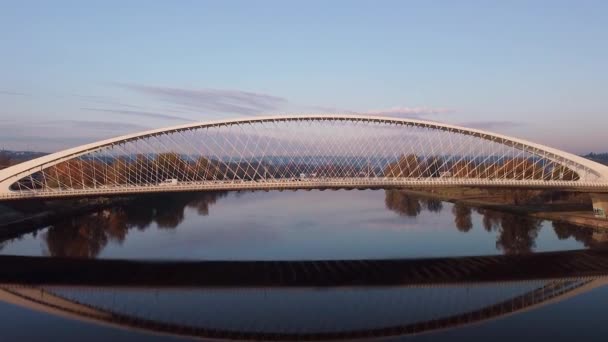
{"x": 336, "y": 183}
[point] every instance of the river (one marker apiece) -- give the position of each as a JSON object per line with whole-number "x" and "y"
{"x": 302, "y": 226}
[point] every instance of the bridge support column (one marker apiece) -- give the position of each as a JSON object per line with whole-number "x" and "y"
{"x": 600, "y": 205}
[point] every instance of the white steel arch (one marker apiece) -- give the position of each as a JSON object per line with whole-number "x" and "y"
{"x": 416, "y": 153}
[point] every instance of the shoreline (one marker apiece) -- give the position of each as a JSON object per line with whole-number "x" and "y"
{"x": 575, "y": 213}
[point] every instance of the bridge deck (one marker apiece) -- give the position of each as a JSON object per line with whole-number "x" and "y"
{"x": 317, "y": 183}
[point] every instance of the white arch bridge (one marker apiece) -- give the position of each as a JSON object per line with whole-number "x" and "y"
{"x": 300, "y": 152}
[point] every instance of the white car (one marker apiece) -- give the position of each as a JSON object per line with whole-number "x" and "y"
{"x": 167, "y": 182}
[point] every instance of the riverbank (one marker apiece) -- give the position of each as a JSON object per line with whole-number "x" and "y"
{"x": 29, "y": 217}
{"x": 14, "y": 223}
{"x": 577, "y": 211}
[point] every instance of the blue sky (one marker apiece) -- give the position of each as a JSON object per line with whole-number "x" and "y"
{"x": 76, "y": 71}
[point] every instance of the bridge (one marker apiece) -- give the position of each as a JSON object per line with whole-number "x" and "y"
{"x": 301, "y": 152}
{"x": 415, "y": 296}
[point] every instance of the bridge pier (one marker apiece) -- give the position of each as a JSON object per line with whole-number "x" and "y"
{"x": 600, "y": 205}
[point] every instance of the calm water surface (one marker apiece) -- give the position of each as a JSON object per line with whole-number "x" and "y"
{"x": 305, "y": 225}
{"x": 302, "y": 225}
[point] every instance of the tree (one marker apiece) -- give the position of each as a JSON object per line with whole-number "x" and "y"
{"x": 488, "y": 170}
{"x": 434, "y": 166}
{"x": 462, "y": 217}
{"x": 141, "y": 170}
{"x": 5, "y": 159}
{"x": 517, "y": 234}
{"x": 522, "y": 197}
{"x": 461, "y": 169}
{"x": 169, "y": 165}
{"x": 86, "y": 236}
{"x": 68, "y": 174}
{"x": 83, "y": 237}
{"x": 407, "y": 166}
{"x": 490, "y": 219}
{"x": 588, "y": 237}
{"x": 204, "y": 200}
{"x": 520, "y": 168}
{"x": 203, "y": 169}
{"x": 402, "y": 203}
{"x": 433, "y": 205}
{"x": 560, "y": 172}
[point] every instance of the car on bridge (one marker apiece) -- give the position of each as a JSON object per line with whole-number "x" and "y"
{"x": 168, "y": 182}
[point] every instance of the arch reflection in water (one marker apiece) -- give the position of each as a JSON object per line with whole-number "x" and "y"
{"x": 315, "y": 300}
{"x": 296, "y": 314}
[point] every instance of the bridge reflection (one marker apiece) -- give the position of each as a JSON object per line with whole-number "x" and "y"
{"x": 321, "y": 300}
{"x": 376, "y": 272}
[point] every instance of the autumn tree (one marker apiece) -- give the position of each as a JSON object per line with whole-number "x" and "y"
{"x": 140, "y": 170}
{"x": 462, "y": 217}
{"x": 402, "y": 203}
{"x": 71, "y": 174}
{"x": 560, "y": 172}
{"x": 169, "y": 165}
{"x": 203, "y": 169}
{"x": 407, "y": 166}
{"x": 519, "y": 168}
{"x": 434, "y": 166}
{"x": 461, "y": 169}
{"x": 488, "y": 170}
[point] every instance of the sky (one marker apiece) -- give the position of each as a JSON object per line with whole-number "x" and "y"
{"x": 73, "y": 72}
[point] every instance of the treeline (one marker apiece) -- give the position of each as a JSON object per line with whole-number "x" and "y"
{"x": 10, "y": 158}
{"x": 515, "y": 234}
{"x": 86, "y": 236}
{"x": 598, "y": 157}
{"x": 139, "y": 169}
{"x": 5, "y": 160}
{"x": 145, "y": 170}
{"x": 142, "y": 170}
{"x": 413, "y": 166}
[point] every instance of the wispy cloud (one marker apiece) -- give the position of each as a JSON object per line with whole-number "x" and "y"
{"x": 139, "y": 114}
{"x": 408, "y": 112}
{"x": 328, "y": 110}
{"x": 105, "y": 100}
{"x": 213, "y": 100}
{"x": 53, "y": 135}
{"x": 12, "y": 93}
{"x": 99, "y": 125}
{"x": 491, "y": 124}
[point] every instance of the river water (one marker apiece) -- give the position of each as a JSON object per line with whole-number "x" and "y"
{"x": 305, "y": 225}
{"x": 301, "y": 225}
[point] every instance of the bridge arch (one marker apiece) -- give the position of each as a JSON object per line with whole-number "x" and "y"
{"x": 300, "y": 151}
